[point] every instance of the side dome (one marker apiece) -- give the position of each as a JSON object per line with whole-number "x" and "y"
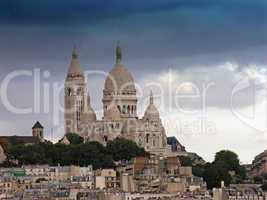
{"x": 119, "y": 80}
{"x": 89, "y": 115}
{"x": 151, "y": 112}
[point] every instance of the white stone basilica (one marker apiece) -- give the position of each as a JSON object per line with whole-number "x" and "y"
{"x": 120, "y": 110}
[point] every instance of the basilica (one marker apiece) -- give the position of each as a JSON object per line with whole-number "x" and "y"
{"x": 119, "y": 110}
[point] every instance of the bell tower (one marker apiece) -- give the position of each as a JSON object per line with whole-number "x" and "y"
{"x": 38, "y": 130}
{"x": 75, "y": 95}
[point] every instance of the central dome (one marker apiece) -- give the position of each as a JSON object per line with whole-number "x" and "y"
{"x": 119, "y": 80}
{"x": 119, "y": 91}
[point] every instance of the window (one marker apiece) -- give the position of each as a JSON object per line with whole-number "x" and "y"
{"x": 119, "y": 108}
{"x": 117, "y": 125}
{"x": 147, "y": 138}
{"x": 105, "y": 138}
{"x": 68, "y": 91}
{"x": 79, "y": 91}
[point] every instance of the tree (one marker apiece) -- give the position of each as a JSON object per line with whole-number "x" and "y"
{"x": 89, "y": 153}
{"x": 214, "y": 174}
{"x": 228, "y": 159}
{"x": 198, "y": 170}
{"x": 185, "y": 161}
{"x": 74, "y": 138}
{"x": 219, "y": 170}
{"x": 122, "y": 149}
{"x": 77, "y": 153}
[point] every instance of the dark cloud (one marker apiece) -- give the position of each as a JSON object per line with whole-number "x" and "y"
{"x": 86, "y": 11}
{"x": 154, "y": 34}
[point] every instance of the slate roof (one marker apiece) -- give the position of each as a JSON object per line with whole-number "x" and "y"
{"x": 37, "y": 125}
{"x": 171, "y": 140}
{"x": 174, "y": 143}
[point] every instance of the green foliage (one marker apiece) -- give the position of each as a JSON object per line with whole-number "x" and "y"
{"x": 198, "y": 170}
{"x": 217, "y": 171}
{"x": 122, "y": 149}
{"x": 185, "y": 161}
{"x": 228, "y": 159}
{"x": 74, "y": 138}
{"x": 83, "y": 154}
{"x": 242, "y": 173}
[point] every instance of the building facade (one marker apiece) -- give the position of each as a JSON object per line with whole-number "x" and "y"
{"x": 119, "y": 107}
{"x": 259, "y": 165}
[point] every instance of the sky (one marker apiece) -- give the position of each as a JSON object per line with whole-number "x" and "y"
{"x": 213, "y": 51}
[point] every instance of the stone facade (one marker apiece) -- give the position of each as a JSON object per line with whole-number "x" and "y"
{"x": 120, "y": 110}
{"x": 2, "y": 155}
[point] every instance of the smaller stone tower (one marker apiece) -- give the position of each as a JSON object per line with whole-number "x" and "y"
{"x": 75, "y": 95}
{"x": 38, "y": 130}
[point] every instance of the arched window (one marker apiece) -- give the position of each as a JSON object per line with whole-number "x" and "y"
{"x": 119, "y": 108}
{"x": 79, "y": 91}
{"x": 147, "y": 138}
{"x": 117, "y": 125}
{"x": 68, "y": 91}
{"x": 128, "y": 109}
{"x": 105, "y": 138}
{"x": 123, "y": 109}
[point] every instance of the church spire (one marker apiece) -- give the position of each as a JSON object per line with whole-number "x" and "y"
{"x": 75, "y": 68}
{"x": 118, "y": 53}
